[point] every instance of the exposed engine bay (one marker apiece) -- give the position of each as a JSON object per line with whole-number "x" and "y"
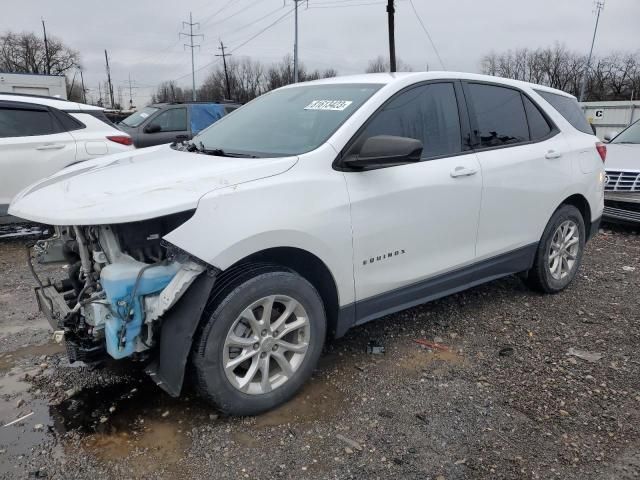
{"x": 121, "y": 280}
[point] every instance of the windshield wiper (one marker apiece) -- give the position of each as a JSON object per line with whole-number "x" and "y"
{"x": 218, "y": 152}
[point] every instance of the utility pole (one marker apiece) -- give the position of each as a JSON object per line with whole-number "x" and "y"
{"x": 46, "y": 49}
{"x": 295, "y": 45}
{"x": 84, "y": 92}
{"x": 106, "y": 58}
{"x": 190, "y": 24}
{"x": 130, "y": 94}
{"x": 392, "y": 40}
{"x": 599, "y": 7}
{"x": 226, "y": 73}
{"x": 99, "y": 94}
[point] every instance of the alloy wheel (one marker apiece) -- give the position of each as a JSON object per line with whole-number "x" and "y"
{"x": 266, "y": 344}
{"x": 564, "y": 249}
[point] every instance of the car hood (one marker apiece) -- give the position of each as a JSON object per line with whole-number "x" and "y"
{"x": 137, "y": 185}
{"x": 623, "y": 156}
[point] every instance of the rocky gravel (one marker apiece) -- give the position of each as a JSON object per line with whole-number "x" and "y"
{"x": 494, "y": 382}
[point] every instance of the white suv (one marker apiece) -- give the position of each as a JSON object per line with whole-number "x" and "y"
{"x": 314, "y": 208}
{"x": 41, "y": 135}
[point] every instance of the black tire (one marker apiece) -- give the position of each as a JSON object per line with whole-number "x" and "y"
{"x": 539, "y": 277}
{"x": 210, "y": 378}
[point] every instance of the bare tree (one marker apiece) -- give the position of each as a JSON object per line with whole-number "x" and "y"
{"x": 613, "y": 77}
{"x": 25, "y": 53}
{"x": 380, "y": 64}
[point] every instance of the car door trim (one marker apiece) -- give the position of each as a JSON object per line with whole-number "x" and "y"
{"x": 435, "y": 287}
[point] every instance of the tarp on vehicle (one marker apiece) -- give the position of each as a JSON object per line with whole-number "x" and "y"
{"x": 203, "y": 115}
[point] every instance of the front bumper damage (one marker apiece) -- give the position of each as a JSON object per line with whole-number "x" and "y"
{"x": 116, "y": 306}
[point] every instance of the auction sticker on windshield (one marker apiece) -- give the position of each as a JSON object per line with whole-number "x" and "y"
{"x": 336, "y": 105}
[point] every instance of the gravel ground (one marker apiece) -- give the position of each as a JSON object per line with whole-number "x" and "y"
{"x": 521, "y": 385}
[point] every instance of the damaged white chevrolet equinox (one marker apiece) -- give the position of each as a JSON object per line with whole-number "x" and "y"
{"x": 314, "y": 208}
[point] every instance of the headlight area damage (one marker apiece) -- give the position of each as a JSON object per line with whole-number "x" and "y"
{"x": 128, "y": 294}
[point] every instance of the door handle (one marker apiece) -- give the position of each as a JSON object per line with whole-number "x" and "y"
{"x": 552, "y": 154}
{"x": 50, "y": 146}
{"x": 463, "y": 172}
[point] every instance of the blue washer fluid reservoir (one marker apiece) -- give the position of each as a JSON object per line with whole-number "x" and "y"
{"x": 118, "y": 280}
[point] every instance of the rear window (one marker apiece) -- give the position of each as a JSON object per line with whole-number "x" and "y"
{"x": 568, "y": 107}
{"x": 99, "y": 114}
{"x": 68, "y": 122}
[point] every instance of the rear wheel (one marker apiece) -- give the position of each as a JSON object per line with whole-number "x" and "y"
{"x": 559, "y": 252}
{"x": 261, "y": 343}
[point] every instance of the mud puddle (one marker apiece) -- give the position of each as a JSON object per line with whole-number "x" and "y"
{"x": 8, "y": 360}
{"x": 123, "y": 418}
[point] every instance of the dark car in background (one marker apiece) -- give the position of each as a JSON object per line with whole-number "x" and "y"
{"x": 168, "y": 122}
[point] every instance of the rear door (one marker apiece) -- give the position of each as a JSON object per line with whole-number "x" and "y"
{"x": 413, "y": 221}
{"x": 526, "y": 166}
{"x": 33, "y": 145}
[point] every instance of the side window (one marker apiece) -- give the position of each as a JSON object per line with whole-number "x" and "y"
{"x": 499, "y": 114}
{"x": 538, "y": 125}
{"x": 428, "y": 113}
{"x": 68, "y": 122}
{"x": 568, "y": 107}
{"x": 172, "y": 120}
{"x": 17, "y": 122}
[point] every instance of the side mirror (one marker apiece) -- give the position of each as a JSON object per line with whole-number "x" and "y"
{"x": 152, "y": 128}
{"x": 386, "y": 151}
{"x": 610, "y": 136}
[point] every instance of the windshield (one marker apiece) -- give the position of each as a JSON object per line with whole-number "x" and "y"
{"x": 630, "y": 135}
{"x": 290, "y": 121}
{"x": 137, "y": 118}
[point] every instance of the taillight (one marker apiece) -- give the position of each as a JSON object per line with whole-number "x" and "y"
{"x": 121, "y": 139}
{"x": 602, "y": 150}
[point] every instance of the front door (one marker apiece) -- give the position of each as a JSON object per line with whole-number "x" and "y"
{"x": 414, "y": 221}
{"x": 172, "y": 124}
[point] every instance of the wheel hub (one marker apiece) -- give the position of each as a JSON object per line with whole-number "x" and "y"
{"x": 266, "y": 344}
{"x": 564, "y": 249}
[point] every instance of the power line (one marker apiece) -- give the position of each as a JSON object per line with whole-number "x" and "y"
{"x": 213, "y": 62}
{"x": 253, "y": 22}
{"x": 278, "y": 20}
{"x": 346, "y": 6}
{"x": 204, "y": 22}
{"x": 428, "y": 35}
{"x": 191, "y": 35}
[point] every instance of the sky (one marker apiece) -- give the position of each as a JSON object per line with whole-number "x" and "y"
{"x": 142, "y": 36}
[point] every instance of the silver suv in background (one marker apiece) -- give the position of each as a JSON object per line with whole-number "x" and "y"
{"x": 622, "y": 190}
{"x": 169, "y": 122}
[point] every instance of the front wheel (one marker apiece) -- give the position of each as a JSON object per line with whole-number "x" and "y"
{"x": 559, "y": 252}
{"x": 261, "y": 343}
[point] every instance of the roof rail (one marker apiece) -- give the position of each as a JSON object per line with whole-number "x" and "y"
{"x": 33, "y": 95}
